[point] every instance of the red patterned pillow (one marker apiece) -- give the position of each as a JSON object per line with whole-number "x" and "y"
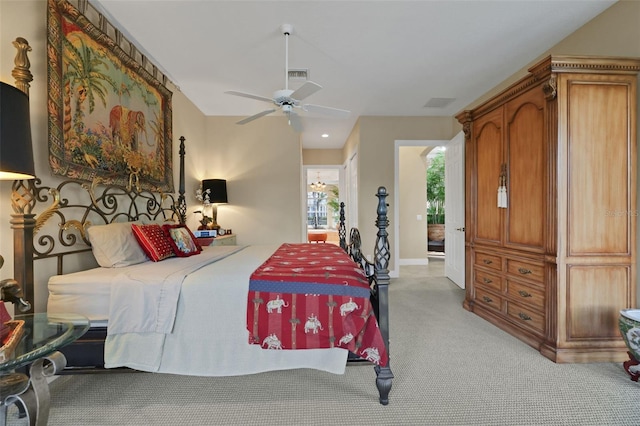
{"x": 183, "y": 242}
{"x": 153, "y": 241}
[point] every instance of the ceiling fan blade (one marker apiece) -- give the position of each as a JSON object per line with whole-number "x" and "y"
{"x": 249, "y": 95}
{"x": 295, "y": 122}
{"x": 307, "y": 89}
{"x": 255, "y": 116}
{"x": 328, "y": 111}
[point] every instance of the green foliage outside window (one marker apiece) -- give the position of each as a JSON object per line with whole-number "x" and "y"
{"x": 334, "y": 204}
{"x": 435, "y": 189}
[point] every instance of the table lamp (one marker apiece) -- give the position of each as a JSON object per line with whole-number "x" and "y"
{"x": 216, "y": 189}
{"x": 16, "y": 160}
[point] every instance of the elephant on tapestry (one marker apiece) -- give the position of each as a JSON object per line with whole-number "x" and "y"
{"x": 126, "y": 126}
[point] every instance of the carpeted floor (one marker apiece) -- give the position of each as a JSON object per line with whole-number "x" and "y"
{"x": 450, "y": 366}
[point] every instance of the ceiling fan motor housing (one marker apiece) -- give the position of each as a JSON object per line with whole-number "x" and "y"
{"x": 286, "y": 29}
{"x": 283, "y": 97}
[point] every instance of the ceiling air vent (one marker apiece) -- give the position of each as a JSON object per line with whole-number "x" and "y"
{"x": 299, "y": 74}
{"x": 438, "y": 102}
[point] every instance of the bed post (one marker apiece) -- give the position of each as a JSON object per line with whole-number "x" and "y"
{"x": 381, "y": 260}
{"x": 342, "y": 230}
{"x": 22, "y": 220}
{"x": 181, "y": 206}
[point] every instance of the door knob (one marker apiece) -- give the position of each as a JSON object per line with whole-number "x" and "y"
{"x": 460, "y": 229}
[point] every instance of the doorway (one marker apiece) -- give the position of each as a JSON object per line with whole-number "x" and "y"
{"x": 416, "y": 220}
{"x": 324, "y": 186}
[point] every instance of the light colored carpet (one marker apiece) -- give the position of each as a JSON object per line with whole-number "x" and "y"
{"x": 451, "y": 368}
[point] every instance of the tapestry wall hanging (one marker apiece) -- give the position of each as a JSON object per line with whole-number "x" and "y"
{"x": 109, "y": 117}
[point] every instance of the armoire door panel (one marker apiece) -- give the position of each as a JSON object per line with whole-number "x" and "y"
{"x": 595, "y": 296}
{"x": 488, "y": 134}
{"x": 526, "y": 170}
{"x": 599, "y": 158}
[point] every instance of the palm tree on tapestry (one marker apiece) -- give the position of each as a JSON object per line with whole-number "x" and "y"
{"x": 85, "y": 75}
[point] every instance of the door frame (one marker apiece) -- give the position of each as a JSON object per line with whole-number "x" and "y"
{"x": 396, "y": 194}
{"x": 305, "y": 183}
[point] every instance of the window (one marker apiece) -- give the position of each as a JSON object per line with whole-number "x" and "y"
{"x": 316, "y": 210}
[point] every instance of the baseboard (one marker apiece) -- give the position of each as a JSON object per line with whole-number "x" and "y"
{"x": 404, "y": 262}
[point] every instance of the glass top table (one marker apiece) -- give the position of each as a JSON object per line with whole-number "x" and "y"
{"x": 44, "y": 334}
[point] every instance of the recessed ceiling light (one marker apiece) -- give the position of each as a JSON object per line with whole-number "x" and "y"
{"x": 325, "y": 135}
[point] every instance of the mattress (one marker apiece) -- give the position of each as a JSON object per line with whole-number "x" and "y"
{"x": 85, "y": 293}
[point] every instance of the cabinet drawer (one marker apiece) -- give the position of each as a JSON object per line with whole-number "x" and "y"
{"x": 489, "y": 261}
{"x": 489, "y": 300}
{"x": 527, "y": 270}
{"x": 526, "y": 317}
{"x": 488, "y": 280}
{"x": 525, "y": 295}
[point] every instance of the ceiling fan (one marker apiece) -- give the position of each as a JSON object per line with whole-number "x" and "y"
{"x": 288, "y": 100}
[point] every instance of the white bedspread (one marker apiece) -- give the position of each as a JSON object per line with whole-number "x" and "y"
{"x": 144, "y": 299}
{"x": 209, "y": 336}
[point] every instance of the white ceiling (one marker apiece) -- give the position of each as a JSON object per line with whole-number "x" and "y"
{"x": 371, "y": 57}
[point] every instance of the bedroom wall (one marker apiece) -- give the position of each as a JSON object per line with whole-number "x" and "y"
{"x": 376, "y": 165}
{"x": 413, "y": 233}
{"x": 264, "y": 178}
{"x": 322, "y": 157}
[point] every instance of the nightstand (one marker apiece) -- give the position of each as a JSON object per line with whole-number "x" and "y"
{"x": 222, "y": 240}
{"x": 225, "y": 240}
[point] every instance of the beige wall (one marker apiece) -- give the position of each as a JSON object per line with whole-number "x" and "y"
{"x": 264, "y": 178}
{"x": 413, "y": 202}
{"x": 322, "y": 157}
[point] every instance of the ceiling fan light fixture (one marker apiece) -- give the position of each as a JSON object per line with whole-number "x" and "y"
{"x": 288, "y": 99}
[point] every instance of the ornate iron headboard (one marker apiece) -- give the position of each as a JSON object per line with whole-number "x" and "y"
{"x": 78, "y": 205}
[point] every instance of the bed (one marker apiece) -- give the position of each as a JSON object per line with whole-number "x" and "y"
{"x": 181, "y": 323}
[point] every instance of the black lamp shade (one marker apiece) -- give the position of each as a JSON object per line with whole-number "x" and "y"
{"x": 16, "y": 152}
{"x": 217, "y": 190}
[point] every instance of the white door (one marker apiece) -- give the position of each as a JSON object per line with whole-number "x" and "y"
{"x": 454, "y": 265}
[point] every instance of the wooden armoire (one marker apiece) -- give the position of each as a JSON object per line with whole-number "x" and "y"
{"x": 553, "y": 261}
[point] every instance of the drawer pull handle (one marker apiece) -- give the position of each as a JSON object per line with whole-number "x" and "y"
{"x": 524, "y": 316}
{"x": 524, "y": 271}
{"x": 487, "y": 261}
{"x": 486, "y": 280}
{"x": 524, "y": 293}
{"x": 487, "y": 299}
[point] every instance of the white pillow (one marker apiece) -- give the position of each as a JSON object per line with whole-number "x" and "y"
{"x": 114, "y": 245}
